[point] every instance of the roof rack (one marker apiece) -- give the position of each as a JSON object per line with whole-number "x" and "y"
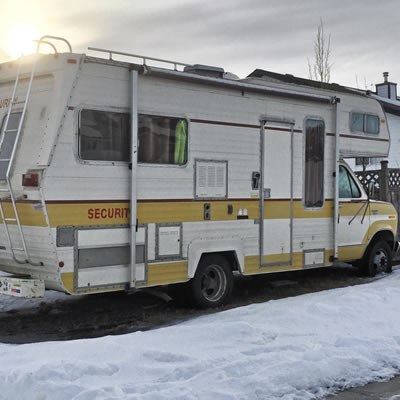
{"x": 144, "y": 58}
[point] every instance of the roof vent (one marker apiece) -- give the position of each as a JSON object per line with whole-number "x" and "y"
{"x": 205, "y": 70}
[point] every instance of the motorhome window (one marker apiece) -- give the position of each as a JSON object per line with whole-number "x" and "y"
{"x": 10, "y": 135}
{"x": 372, "y": 124}
{"x": 162, "y": 140}
{"x": 314, "y": 167}
{"x": 357, "y": 122}
{"x": 348, "y": 188}
{"x": 13, "y": 121}
{"x": 364, "y": 123}
{"x": 104, "y": 136}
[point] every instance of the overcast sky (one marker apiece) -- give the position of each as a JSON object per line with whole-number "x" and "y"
{"x": 240, "y": 36}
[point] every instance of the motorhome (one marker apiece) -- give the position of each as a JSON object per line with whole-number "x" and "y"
{"x": 119, "y": 172}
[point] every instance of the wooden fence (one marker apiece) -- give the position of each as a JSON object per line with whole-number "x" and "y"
{"x": 386, "y": 184}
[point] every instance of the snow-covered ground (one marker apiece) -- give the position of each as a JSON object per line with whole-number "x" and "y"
{"x": 300, "y": 348}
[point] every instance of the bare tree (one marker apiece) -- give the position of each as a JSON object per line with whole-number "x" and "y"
{"x": 320, "y": 70}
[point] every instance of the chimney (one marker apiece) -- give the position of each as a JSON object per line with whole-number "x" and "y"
{"x": 385, "y": 76}
{"x": 387, "y": 89}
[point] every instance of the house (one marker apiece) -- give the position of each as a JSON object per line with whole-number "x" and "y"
{"x": 386, "y": 94}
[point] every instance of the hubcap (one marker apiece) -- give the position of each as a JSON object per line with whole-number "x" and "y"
{"x": 213, "y": 283}
{"x": 380, "y": 260}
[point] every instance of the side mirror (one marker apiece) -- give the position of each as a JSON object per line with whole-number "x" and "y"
{"x": 371, "y": 190}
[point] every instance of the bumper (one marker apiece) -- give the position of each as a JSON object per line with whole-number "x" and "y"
{"x": 20, "y": 287}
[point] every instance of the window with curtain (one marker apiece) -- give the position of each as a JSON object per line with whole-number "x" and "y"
{"x": 314, "y": 163}
{"x": 162, "y": 140}
{"x": 104, "y": 135}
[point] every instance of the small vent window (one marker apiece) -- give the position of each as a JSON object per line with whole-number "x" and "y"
{"x": 104, "y": 136}
{"x": 162, "y": 140}
{"x": 364, "y": 123}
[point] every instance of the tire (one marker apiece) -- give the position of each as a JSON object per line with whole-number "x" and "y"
{"x": 213, "y": 282}
{"x": 379, "y": 259}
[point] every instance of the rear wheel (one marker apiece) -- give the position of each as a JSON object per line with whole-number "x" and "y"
{"x": 213, "y": 282}
{"x": 379, "y": 259}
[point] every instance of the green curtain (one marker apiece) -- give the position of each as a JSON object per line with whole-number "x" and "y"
{"x": 180, "y": 142}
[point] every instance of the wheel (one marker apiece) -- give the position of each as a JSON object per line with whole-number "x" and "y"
{"x": 379, "y": 259}
{"x": 213, "y": 282}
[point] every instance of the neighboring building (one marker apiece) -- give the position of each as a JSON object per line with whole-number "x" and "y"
{"x": 386, "y": 93}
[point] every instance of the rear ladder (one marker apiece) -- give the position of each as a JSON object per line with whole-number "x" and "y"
{"x": 10, "y": 135}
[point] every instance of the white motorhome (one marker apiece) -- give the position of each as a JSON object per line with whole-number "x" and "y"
{"x": 116, "y": 175}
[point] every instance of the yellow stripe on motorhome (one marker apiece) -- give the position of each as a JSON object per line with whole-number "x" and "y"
{"x": 118, "y": 213}
{"x": 350, "y": 253}
{"x": 29, "y": 213}
{"x": 159, "y": 274}
{"x": 252, "y": 265}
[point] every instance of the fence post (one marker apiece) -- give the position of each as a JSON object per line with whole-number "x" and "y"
{"x": 384, "y": 181}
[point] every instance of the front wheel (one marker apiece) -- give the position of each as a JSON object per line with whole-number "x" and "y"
{"x": 213, "y": 282}
{"x": 379, "y": 259}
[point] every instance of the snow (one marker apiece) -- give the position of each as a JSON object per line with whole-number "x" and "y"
{"x": 297, "y": 348}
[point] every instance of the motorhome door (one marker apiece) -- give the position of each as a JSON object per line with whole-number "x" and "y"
{"x": 276, "y": 192}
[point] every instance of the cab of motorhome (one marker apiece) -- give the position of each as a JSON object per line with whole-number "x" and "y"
{"x": 117, "y": 175}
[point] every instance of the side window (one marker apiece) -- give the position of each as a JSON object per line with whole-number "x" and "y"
{"x": 367, "y": 123}
{"x": 348, "y": 188}
{"x": 104, "y": 136}
{"x": 314, "y": 163}
{"x": 162, "y": 140}
{"x": 357, "y": 122}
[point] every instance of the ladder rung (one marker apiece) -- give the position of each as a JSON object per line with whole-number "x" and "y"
{"x": 17, "y": 248}
{"x": 10, "y": 130}
{"x": 4, "y": 159}
{"x": 10, "y": 219}
{"x": 4, "y": 190}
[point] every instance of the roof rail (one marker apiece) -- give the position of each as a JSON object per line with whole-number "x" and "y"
{"x": 43, "y": 41}
{"x": 144, "y": 58}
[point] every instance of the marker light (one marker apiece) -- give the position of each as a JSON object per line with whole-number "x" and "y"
{"x": 30, "y": 179}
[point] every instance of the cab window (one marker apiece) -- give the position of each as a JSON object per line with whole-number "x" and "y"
{"x": 348, "y": 188}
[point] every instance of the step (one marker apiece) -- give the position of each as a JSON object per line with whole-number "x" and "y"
{"x": 17, "y": 249}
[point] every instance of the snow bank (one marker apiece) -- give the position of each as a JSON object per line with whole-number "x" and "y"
{"x": 303, "y": 347}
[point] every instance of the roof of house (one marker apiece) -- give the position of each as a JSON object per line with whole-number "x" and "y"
{"x": 287, "y": 78}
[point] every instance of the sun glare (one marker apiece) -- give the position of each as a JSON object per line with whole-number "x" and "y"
{"x": 21, "y": 40}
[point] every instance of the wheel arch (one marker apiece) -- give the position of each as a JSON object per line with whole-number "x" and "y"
{"x": 383, "y": 234}
{"x": 232, "y": 250}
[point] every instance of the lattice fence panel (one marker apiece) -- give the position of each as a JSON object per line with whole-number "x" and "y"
{"x": 394, "y": 178}
{"x": 367, "y": 177}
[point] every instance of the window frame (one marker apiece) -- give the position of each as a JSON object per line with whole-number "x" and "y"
{"x": 171, "y": 116}
{"x": 365, "y": 116}
{"x": 315, "y": 118}
{"x": 109, "y": 109}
